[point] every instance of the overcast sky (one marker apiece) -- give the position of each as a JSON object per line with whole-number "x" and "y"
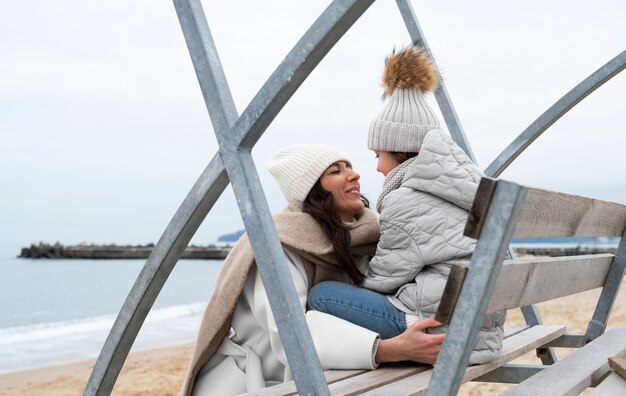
{"x": 104, "y": 129}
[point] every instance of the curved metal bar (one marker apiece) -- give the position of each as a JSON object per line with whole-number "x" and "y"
{"x": 209, "y": 71}
{"x": 152, "y": 277}
{"x": 318, "y": 40}
{"x": 181, "y": 228}
{"x": 441, "y": 94}
{"x": 556, "y": 111}
{"x": 235, "y": 146}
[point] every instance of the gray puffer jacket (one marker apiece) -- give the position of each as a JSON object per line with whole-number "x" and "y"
{"x": 422, "y": 225}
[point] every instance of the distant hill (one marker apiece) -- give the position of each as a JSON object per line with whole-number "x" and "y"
{"x": 233, "y": 237}
{"x": 578, "y": 241}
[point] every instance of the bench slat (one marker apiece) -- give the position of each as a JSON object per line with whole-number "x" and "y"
{"x": 577, "y": 371}
{"x": 529, "y": 281}
{"x": 370, "y": 380}
{"x": 543, "y": 216}
{"x": 289, "y": 388}
{"x": 618, "y": 365}
{"x": 513, "y": 347}
{"x": 548, "y": 278}
{"x": 549, "y": 214}
{"x": 613, "y": 385}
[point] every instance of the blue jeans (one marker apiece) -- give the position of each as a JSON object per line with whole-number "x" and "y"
{"x": 360, "y": 306}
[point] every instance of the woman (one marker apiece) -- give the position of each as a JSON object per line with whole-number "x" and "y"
{"x": 327, "y": 233}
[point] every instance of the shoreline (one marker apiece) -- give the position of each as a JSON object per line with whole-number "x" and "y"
{"x": 59, "y": 343}
{"x": 160, "y": 371}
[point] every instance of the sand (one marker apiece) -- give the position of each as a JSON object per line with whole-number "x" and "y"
{"x": 160, "y": 371}
{"x": 152, "y": 372}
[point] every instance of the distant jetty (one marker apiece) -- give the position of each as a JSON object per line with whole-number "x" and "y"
{"x": 214, "y": 252}
{"x": 59, "y": 251}
{"x": 557, "y": 251}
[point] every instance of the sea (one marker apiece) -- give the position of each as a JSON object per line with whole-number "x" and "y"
{"x": 60, "y": 311}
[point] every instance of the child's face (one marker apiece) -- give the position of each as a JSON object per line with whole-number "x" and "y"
{"x": 386, "y": 163}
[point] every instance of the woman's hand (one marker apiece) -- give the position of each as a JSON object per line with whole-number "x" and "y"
{"x": 414, "y": 344}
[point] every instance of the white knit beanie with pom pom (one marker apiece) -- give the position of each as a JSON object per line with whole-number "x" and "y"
{"x": 406, "y": 118}
{"x": 296, "y": 168}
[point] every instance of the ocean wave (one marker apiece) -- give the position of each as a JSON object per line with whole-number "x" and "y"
{"x": 42, "y": 331}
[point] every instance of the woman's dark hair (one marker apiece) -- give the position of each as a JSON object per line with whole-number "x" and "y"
{"x": 321, "y": 205}
{"x": 401, "y": 157}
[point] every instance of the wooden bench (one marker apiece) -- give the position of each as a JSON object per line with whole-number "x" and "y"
{"x": 501, "y": 211}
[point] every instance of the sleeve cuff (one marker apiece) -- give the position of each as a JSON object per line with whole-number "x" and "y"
{"x": 374, "y": 350}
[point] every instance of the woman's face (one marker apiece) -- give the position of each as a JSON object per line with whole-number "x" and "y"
{"x": 386, "y": 162}
{"x": 343, "y": 183}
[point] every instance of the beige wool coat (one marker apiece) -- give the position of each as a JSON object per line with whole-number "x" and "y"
{"x": 299, "y": 233}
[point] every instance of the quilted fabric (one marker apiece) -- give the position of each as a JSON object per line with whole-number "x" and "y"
{"x": 422, "y": 225}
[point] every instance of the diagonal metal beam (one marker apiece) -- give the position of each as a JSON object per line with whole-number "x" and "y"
{"x": 307, "y": 53}
{"x": 235, "y": 147}
{"x": 555, "y": 112}
{"x": 152, "y": 277}
{"x": 533, "y": 318}
{"x": 610, "y": 290}
{"x": 441, "y": 94}
{"x": 213, "y": 84}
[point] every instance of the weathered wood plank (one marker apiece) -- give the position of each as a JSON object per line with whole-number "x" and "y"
{"x": 618, "y": 365}
{"x": 359, "y": 384}
{"x": 478, "y": 211}
{"x": 548, "y": 214}
{"x": 513, "y": 347}
{"x": 529, "y": 281}
{"x": 511, "y": 330}
{"x": 533, "y": 280}
{"x": 451, "y": 294}
{"x": 613, "y": 385}
{"x": 578, "y": 371}
{"x": 289, "y": 388}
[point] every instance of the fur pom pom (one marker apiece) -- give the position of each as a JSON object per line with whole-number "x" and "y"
{"x": 411, "y": 67}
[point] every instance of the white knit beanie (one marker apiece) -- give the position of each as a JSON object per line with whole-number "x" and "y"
{"x": 406, "y": 118}
{"x": 297, "y": 167}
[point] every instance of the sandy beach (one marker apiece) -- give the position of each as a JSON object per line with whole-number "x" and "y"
{"x": 160, "y": 371}
{"x": 151, "y": 372}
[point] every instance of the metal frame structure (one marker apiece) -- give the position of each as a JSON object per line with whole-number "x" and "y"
{"x": 556, "y": 111}
{"x": 494, "y": 236}
{"x": 236, "y": 135}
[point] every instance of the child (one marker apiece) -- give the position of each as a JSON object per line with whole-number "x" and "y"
{"x": 429, "y": 187}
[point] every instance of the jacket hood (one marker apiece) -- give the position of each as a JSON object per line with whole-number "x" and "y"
{"x": 444, "y": 170}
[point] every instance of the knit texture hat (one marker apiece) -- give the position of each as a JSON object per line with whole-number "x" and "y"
{"x": 297, "y": 167}
{"x": 406, "y": 118}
